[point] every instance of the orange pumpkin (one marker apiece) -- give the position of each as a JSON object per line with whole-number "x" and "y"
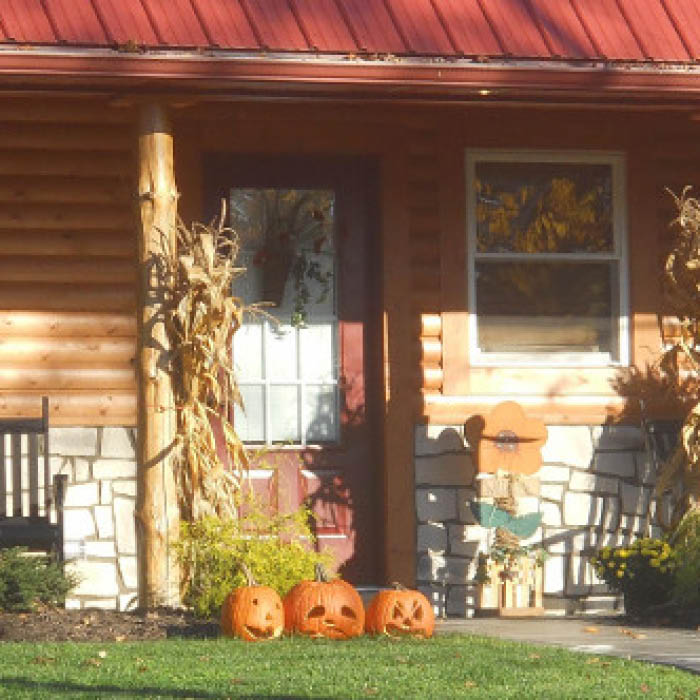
{"x": 254, "y": 613}
{"x": 400, "y": 612}
{"x": 324, "y": 608}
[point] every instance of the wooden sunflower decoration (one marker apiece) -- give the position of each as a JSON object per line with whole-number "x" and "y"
{"x": 510, "y": 441}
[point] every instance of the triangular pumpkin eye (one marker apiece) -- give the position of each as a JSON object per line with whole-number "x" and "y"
{"x": 316, "y": 611}
{"x": 345, "y": 611}
{"x": 398, "y": 611}
{"x": 418, "y": 613}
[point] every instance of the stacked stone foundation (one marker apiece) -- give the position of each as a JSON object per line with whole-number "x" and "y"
{"x": 99, "y": 528}
{"x": 595, "y": 488}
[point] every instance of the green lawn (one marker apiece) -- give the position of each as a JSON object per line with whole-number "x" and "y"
{"x": 449, "y": 666}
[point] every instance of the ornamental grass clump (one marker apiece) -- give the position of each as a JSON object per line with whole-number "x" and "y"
{"x": 643, "y": 572}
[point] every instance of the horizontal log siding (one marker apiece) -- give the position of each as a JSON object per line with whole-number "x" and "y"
{"x": 67, "y": 261}
{"x": 424, "y": 226}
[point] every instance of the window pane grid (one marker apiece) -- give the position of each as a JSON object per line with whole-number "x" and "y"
{"x": 305, "y": 388}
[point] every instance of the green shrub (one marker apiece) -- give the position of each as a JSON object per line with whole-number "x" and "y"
{"x": 26, "y": 580}
{"x": 643, "y": 572}
{"x": 277, "y": 548}
{"x": 686, "y": 539}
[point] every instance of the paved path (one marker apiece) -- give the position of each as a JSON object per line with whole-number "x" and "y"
{"x": 593, "y": 635}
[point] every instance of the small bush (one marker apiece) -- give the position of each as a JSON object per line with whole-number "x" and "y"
{"x": 686, "y": 539}
{"x": 643, "y": 572}
{"x": 26, "y": 581}
{"x": 277, "y": 548}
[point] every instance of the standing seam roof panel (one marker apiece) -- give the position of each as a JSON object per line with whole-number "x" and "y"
{"x": 126, "y": 21}
{"x": 421, "y": 26}
{"x": 664, "y": 30}
{"x": 76, "y": 21}
{"x": 276, "y": 24}
{"x": 325, "y": 25}
{"x": 565, "y": 34}
{"x": 686, "y": 17}
{"x": 373, "y": 26}
{"x": 518, "y": 33}
{"x": 654, "y": 30}
{"x": 226, "y": 24}
{"x": 469, "y": 27}
{"x": 606, "y": 23}
{"x": 25, "y": 20}
{"x": 176, "y": 23}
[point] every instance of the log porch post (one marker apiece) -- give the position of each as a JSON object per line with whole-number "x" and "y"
{"x": 157, "y": 516}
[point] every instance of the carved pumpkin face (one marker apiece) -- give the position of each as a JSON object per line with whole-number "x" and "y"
{"x": 400, "y": 613}
{"x": 253, "y": 613}
{"x": 318, "y": 609}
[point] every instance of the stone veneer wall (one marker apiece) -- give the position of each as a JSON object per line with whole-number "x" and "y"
{"x": 99, "y": 530}
{"x": 593, "y": 490}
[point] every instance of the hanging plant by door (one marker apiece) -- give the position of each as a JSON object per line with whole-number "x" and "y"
{"x": 289, "y": 233}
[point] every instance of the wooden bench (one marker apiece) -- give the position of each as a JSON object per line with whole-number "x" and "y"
{"x": 31, "y": 504}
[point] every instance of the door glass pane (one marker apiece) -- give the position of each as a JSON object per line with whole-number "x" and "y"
{"x": 317, "y": 352}
{"x": 284, "y": 414}
{"x": 541, "y": 207}
{"x": 288, "y": 237}
{"x": 547, "y": 306}
{"x": 249, "y": 421}
{"x": 320, "y": 414}
{"x": 281, "y": 353}
{"x": 248, "y": 351}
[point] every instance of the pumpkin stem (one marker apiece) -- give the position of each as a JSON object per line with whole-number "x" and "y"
{"x": 398, "y": 586}
{"x": 247, "y": 573}
{"x": 321, "y": 573}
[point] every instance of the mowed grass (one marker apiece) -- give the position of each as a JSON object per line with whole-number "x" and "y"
{"x": 448, "y": 666}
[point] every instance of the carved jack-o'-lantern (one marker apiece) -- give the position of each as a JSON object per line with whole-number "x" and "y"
{"x": 323, "y": 608}
{"x": 254, "y": 613}
{"x": 400, "y": 612}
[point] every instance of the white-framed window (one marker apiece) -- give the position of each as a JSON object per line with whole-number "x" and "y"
{"x": 547, "y": 258}
{"x": 287, "y": 372}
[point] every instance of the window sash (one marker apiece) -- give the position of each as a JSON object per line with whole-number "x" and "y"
{"x": 617, "y": 255}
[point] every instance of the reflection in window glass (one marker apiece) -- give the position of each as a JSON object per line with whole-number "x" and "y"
{"x": 547, "y": 307}
{"x": 288, "y": 373}
{"x": 544, "y": 207}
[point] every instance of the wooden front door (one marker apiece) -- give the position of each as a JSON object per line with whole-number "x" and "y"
{"x": 310, "y": 379}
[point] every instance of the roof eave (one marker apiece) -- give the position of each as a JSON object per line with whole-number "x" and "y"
{"x": 349, "y": 76}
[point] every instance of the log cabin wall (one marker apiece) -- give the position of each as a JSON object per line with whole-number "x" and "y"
{"x": 67, "y": 288}
{"x": 67, "y": 319}
{"x": 67, "y": 261}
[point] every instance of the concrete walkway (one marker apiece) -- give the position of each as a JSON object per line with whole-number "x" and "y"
{"x": 593, "y": 635}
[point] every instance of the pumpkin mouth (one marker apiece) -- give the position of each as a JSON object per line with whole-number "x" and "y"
{"x": 266, "y": 633}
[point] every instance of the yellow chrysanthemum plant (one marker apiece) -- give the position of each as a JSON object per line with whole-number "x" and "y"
{"x": 642, "y": 571}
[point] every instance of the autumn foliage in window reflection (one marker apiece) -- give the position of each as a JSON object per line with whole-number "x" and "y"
{"x": 544, "y": 208}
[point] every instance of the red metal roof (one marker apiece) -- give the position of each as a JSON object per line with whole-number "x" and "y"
{"x": 614, "y": 30}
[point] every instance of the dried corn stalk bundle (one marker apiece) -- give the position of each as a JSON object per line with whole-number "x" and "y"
{"x": 202, "y": 316}
{"x": 682, "y": 359}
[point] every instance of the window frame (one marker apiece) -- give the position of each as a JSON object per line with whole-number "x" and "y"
{"x": 619, "y": 254}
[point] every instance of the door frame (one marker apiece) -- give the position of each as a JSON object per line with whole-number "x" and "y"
{"x": 353, "y": 177}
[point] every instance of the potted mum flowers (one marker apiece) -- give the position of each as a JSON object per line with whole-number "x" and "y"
{"x": 642, "y": 572}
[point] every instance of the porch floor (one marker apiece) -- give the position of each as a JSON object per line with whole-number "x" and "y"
{"x": 599, "y": 636}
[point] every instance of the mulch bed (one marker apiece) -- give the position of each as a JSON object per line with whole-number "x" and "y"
{"x": 94, "y": 625}
{"x": 56, "y": 625}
